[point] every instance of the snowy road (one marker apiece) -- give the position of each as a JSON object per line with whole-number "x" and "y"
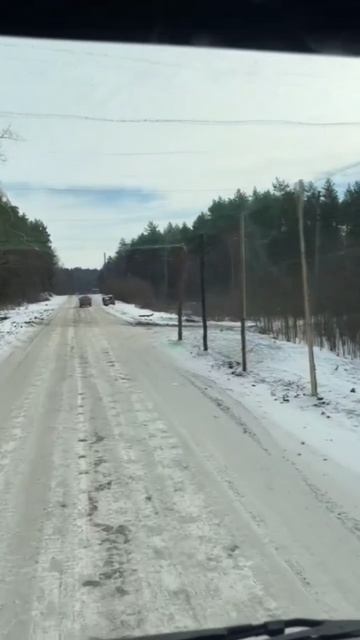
{"x": 136, "y": 497}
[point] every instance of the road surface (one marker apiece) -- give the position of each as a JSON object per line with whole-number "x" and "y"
{"x": 135, "y": 497}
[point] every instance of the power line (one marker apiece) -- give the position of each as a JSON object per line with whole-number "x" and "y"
{"x": 101, "y": 190}
{"x": 338, "y": 170}
{"x": 129, "y": 247}
{"x": 182, "y": 121}
{"x": 129, "y": 153}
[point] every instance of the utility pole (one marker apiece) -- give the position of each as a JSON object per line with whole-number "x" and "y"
{"x": 104, "y": 258}
{"x": 243, "y": 290}
{"x": 166, "y": 275}
{"x": 203, "y": 291}
{"x": 317, "y": 249}
{"x": 181, "y": 286}
{"x": 307, "y": 310}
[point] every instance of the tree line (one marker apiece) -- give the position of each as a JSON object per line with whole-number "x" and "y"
{"x": 27, "y": 258}
{"x": 274, "y": 288}
{"x": 76, "y": 280}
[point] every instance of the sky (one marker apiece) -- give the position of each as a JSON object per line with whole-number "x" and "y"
{"x": 112, "y": 136}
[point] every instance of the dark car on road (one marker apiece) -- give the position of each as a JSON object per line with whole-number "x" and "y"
{"x": 108, "y": 299}
{"x": 85, "y": 301}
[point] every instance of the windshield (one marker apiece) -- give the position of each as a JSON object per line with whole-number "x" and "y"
{"x": 179, "y": 338}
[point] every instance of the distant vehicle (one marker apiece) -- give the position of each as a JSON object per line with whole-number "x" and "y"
{"x": 109, "y": 299}
{"x": 85, "y": 301}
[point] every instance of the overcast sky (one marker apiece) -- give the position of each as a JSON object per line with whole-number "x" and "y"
{"x": 94, "y": 177}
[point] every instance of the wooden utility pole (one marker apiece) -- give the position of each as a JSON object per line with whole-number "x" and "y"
{"x": 203, "y": 291}
{"x": 166, "y": 275}
{"x": 307, "y": 310}
{"x": 243, "y": 290}
{"x": 180, "y": 314}
{"x": 181, "y": 286}
{"x": 317, "y": 251}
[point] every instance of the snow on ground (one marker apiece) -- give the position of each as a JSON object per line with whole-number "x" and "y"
{"x": 18, "y": 323}
{"x": 138, "y": 316}
{"x": 276, "y": 387}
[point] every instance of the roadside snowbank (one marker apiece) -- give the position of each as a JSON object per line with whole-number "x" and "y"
{"x": 17, "y": 324}
{"x": 138, "y": 316}
{"x": 276, "y": 387}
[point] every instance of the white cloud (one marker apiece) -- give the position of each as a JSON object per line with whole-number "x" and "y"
{"x": 125, "y": 81}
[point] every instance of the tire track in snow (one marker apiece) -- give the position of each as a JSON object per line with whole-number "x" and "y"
{"x": 187, "y": 523}
{"x": 62, "y": 608}
{"x": 131, "y": 596}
